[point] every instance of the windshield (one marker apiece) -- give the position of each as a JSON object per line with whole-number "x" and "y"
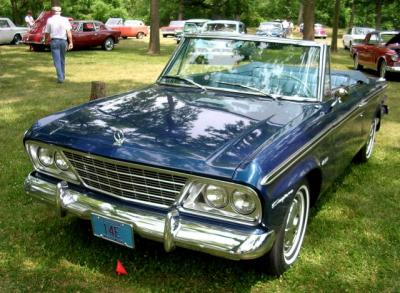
{"x": 192, "y": 27}
{"x": 362, "y": 30}
{"x": 114, "y": 21}
{"x": 221, "y": 27}
{"x": 262, "y": 68}
{"x": 176, "y": 23}
{"x": 270, "y": 26}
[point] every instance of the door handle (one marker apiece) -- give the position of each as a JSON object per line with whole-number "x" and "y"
{"x": 362, "y": 104}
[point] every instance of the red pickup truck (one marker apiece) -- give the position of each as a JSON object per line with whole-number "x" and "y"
{"x": 379, "y": 51}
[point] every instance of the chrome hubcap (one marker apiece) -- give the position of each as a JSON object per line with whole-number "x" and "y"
{"x": 371, "y": 138}
{"x": 296, "y": 225}
{"x": 109, "y": 44}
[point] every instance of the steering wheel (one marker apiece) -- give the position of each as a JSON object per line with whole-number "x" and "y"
{"x": 304, "y": 86}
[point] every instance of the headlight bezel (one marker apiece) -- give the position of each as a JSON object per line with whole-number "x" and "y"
{"x": 192, "y": 201}
{"x": 33, "y": 148}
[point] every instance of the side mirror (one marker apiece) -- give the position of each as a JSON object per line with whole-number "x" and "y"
{"x": 339, "y": 94}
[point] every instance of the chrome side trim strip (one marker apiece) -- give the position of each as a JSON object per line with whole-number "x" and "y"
{"x": 300, "y": 153}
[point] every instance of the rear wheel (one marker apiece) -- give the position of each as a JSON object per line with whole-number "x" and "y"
{"x": 382, "y": 69}
{"x": 17, "y": 39}
{"x": 290, "y": 237}
{"x": 140, "y": 35}
{"x": 108, "y": 44}
{"x": 357, "y": 65}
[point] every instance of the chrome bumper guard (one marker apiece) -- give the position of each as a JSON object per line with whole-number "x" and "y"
{"x": 172, "y": 229}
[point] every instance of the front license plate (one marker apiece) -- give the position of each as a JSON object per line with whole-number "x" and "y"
{"x": 112, "y": 230}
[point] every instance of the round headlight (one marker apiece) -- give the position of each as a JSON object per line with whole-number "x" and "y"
{"x": 60, "y": 162}
{"x": 394, "y": 57}
{"x": 46, "y": 156}
{"x": 216, "y": 196}
{"x": 243, "y": 202}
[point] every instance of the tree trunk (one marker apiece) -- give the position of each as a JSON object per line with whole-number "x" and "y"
{"x": 154, "y": 45}
{"x": 181, "y": 9}
{"x": 378, "y": 14}
{"x": 55, "y": 3}
{"x": 353, "y": 11}
{"x": 335, "y": 26}
{"x": 308, "y": 17}
{"x": 301, "y": 11}
{"x": 14, "y": 11}
{"x": 98, "y": 90}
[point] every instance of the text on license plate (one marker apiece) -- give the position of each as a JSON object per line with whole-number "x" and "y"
{"x": 112, "y": 230}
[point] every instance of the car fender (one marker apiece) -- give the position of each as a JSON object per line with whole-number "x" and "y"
{"x": 280, "y": 190}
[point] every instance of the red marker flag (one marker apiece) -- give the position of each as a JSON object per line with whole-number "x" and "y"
{"x": 120, "y": 270}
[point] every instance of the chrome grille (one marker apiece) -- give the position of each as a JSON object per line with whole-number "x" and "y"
{"x": 119, "y": 180}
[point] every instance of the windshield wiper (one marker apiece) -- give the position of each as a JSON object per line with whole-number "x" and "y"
{"x": 248, "y": 87}
{"x": 185, "y": 79}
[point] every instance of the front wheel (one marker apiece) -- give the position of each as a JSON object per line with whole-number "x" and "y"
{"x": 140, "y": 35}
{"x": 108, "y": 44}
{"x": 290, "y": 237}
{"x": 382, "y": 69}
{"x": 366, "y": 152}
{"x": 357, "y": 65}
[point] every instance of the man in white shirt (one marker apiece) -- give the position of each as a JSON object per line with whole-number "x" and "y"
{"x": 29, "y": 19}
{"x": 58, "y": 30}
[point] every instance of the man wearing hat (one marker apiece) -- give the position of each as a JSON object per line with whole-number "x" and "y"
{"x": 58, "y": 30}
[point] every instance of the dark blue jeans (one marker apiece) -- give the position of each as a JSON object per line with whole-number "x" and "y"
{"x": 58, "y": 49}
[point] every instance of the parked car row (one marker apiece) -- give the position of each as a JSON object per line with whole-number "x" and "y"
{"x": 85, "y": 33}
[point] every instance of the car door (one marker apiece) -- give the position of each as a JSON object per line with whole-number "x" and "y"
{"x": 343, "y": 121}
{"x": 99, "y": 34}
{"x": 5, "y": 32}
{"x": 368, "y": 56}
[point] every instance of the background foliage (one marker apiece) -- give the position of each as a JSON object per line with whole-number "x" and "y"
{"x": 249, "y": 11}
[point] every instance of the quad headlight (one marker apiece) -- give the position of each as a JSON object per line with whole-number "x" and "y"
{"x": 49, "y": 160}
{"x": 216, "y": 196}
{"x": 45, "y": 156}
{"x": 223, "y": 200}
{"x": 394, "y": 57}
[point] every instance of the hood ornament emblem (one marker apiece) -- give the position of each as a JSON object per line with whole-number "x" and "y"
{"x": 119, "y": 137}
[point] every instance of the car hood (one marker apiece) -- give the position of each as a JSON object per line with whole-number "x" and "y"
{"x": 174, "y": 127}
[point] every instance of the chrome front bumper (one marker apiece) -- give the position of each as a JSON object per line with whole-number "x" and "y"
{"x": 173, "y": 229}
{"x": 393, "y": 68}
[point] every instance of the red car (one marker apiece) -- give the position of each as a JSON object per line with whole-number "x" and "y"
{"x": 92, "y": 33}
{"x": 87, "y": 33}
{"x": 379, "y": 51}
{"x": 170, "y": 30}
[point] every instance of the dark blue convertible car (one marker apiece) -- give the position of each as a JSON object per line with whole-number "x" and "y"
{"x": 224, "y": 154}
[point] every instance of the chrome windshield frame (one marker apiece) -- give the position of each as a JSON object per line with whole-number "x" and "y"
{"x": 245, "y": 37}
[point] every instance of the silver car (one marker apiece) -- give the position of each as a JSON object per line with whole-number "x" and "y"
{"x": 9, "y": 32}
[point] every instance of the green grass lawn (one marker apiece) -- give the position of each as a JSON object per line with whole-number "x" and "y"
{"x": 352, "y": 242}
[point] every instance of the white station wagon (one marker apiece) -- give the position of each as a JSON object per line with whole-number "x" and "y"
{"x": 9, "y": 32}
